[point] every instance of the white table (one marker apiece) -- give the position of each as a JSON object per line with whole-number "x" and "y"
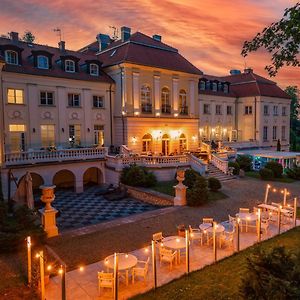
{"x": 247, "y": 217}
{"x": 207, "y": 228}
{"x": 125, "y": 262}
{"x": 273, "y": 208}
{"x": 175, "y": 243}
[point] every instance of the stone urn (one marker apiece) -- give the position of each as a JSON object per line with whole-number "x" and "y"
{"x": 180, "y": 189}
{"x": 48, "y": 195}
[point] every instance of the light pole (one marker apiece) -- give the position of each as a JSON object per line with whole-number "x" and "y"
{"x": 154, "y": 264}
{"x": 28, "y": 240}
{"x": 187, "y": 247}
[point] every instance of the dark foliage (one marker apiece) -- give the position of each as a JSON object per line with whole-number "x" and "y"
{"x": 266, "y": 174}
{"x": 190, "y": 176}
{"x": 245, "y": 162}
{"x": 275, "y": 167}
{"x": 198, "y": 194}
{"x": 214, "y": 184}
{"x": 236, "y": 167}
{"x": 293, "y": 173}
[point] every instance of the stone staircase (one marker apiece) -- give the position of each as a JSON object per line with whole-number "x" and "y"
{"x": 215, "y": 172}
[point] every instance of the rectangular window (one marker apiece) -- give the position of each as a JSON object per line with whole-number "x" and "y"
{"x": 99, "y": 135}
{"x": 74, "y": 134}
{"x": 46, "y": 98}
{"x": 74, "y": 100}
{"x": 274, "y": 133}
{"x": 284, "y": 110}
{"x": 218, "y": 109}
{"x": 266, "y": 110}
{"x": 98, "y": 101}
{"x": 15, "y": 96}
{"x": 248, "y": 110}
{"x": 265, "y": 133}
{"x": 229, "y": 110}
{"x": 283, "y": 133}
{"x": 206, "y": 109}
{"x": 275, "y": 110}
{"x": 17, "y": 137}
{"x": 47, "y": 135}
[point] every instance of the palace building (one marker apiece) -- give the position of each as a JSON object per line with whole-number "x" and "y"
{"x": 62, "y": 111}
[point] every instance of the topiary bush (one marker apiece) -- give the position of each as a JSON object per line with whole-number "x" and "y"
{"x": 236, "y": 167}
{"x": 190, "y": 177}
{"x": 137, "y": 176}
{"x": 198, "y": 194}
{"x": 293, "y": 173}
{"x": 214, "y": 184}
{"x": 245, "y": 162}
{"x": 275, "y": 167}
{"x": 266, "y": 174}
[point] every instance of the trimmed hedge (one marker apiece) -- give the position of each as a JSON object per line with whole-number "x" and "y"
{"x": 236, "y": 167}
{"x": 293, "y": 173}
{"x": 276, "y": 168}
{"x": 198, "y": 194}
{"x": 245, "y": 162}
{"x": 214, "y": 184}
{"x": 190, "y": 176}
{"x": 266, "y": 174}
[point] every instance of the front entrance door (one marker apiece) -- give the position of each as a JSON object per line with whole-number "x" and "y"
{"x": 165, "y": 144}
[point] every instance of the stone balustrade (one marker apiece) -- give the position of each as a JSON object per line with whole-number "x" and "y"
{"x": 42, "y": 156}
{"x": 220, "y": 163}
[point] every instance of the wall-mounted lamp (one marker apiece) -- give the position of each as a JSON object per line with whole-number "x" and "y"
{"x": 133, "y": 140}
{"x": 176, "y": 115}
{"x": 33, "y": 130}
{"x": 136, "y": 113}
{"x": 123, "y": 113}
{"x": 63, "y": 130}
{"x": 194, "y": 138}
{"x": 157, "y": 114}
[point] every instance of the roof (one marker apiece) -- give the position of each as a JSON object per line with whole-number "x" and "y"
{"x": 143, "y": 50}
{"x": 270, "y": 154}
{"x": 27, "y": 66}
{"x": 246, "y": 85}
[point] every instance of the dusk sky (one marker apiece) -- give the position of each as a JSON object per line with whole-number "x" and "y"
{"x": 209, "y": 33}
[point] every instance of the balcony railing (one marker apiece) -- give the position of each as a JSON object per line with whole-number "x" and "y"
{"x": 166, "y": 109}
{"x": 42, "y": 156}
{"x": 147, "y": 108}
{"x": 184, "y": 110}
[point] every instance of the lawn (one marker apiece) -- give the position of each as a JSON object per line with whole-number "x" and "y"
{"x": 167, "y": 187}
{"x": 220, "y": 280}
{"x": 283, "y": 179}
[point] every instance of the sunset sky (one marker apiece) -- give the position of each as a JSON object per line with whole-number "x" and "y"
{"x": 209, "y": 33}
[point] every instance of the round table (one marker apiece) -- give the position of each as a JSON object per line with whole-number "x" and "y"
{"x": 125, "y": 262}
{"x": 176, "y": 243}
{"x": 219, "y": 229}
{"x": 247, "y": 217}
{"x": 205, "y": 226}
{"x": 208, "y": 228}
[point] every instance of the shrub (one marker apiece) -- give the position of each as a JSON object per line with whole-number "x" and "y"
{"x": 190, "y": 177}
{"x": 198, "y": 194}
{"x": 236, "y": 167}
{"x": 245, "y": 162}
{"x": 137, "y": 176}
{"x": 293, "y": 173}
{"x": 272, "y": 275}
{"x": 214, "y": 184}
{"x": 266, "y": 174}
{"x": 275, "y": 167}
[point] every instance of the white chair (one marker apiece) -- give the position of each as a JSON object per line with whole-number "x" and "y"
{"x": 232, "y": 220}
{"x": 105, "y": 280}
{"x": 168, "y": 256}
{"x": 264, "y": 225}
{"x": 196, "y": 234}
{"x": 141, "y": 269}
{"x": 227, "y": 238}
{"x": 208, "y": 221}
{"x": 157, "y": 238}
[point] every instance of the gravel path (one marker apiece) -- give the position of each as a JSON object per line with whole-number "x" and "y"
{"x": 127, "y": 236}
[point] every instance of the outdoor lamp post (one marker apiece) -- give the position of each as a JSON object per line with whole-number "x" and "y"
{"x": 154, "y": 264}
{"x": 279, "y": 218}
{"x": 267, "y": 193}
{"x": 116, "y": 276}
{"x": 285, "y": 193}
{"x": 295, "y": 211}
{"x": 238, "y": 234}
{"x": 40, "y": 255}
{"x": 28, "y": 241}
{"x": 214, "y": 241}
{"x": 259, "y": 225}
{"x": 62, "y": 272}
{"x": 187, "y": 246}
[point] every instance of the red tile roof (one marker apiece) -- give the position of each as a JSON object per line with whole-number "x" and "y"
{"x": 143, "y": 50}
{"x": 28, "y": 67}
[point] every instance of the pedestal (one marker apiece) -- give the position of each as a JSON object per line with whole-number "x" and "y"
{"x": 49, "y": 221}
{"x": 180, "y": 190}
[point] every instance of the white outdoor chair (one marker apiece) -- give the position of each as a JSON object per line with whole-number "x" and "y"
{"x": 232, "y": 220}
{"x": 210, "y": 222}
{"x": 196, "y": 234}
{"x": 141, "y": 269}
{"x": 168, "y": 256}
{"x": 157, "y": 238}
{"x": 105, "y": 280}
{"x": 264, "y": 224}
{"x": 227, "y": 238}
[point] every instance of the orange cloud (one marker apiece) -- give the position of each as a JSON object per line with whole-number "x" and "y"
{"x": 210, "y": 33}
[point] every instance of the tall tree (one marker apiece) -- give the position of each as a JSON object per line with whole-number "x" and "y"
{"x": 281, "y": 39}
{"x": 28, "y": 37}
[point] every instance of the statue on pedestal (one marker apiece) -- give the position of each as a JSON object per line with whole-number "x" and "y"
{"x": 180, "y": 189}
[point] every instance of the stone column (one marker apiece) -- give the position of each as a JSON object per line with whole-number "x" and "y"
{"x": 79, "y": 186}
{"x": 48, "y": 212}
{"x": 175, "y": 95}
{"x": 156, "y": 94}
{"x": 180, "y": 190}
{"x": 192, "y": 99}
{"x": 136, "y": 92}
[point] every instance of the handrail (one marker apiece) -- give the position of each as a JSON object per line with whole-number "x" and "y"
{"x": 220, "y": 163}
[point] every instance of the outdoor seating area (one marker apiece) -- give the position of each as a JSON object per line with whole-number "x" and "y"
{"x": 165, "y": 258}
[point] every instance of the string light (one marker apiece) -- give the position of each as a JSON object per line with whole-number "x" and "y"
{"x": 49, "y": 267}
{"x": 60, "y": 271}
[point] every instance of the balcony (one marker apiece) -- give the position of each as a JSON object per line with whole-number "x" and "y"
{"x": 184, "y": 110}
{"x": 44, "y": 156}
{"x": 166, "y": 109}
{"x": 146, "y": 108}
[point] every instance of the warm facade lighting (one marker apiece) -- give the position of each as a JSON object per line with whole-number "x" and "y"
{"x": 176, "y": 115}
{"x": 136, "y": 113}
{"x": 134, "y": 140}
{"x": 157, "y": 114}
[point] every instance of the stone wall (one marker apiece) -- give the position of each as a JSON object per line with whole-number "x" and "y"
{"x": 150, "y": 196}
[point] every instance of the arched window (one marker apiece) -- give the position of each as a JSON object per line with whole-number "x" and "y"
{"x": 183, "y": 107}
{"x": 94, "y": 70}
{"x": 42, "y": 62}
{"x": 226, "y": 88}
{"x": 165, "y": 101}
{"x": 165, "y": 144}
{"x": 11, "y": 57}
{"x": 215, "y": 87}
{"x": 69, "y": 66}
{"x": 202, "y": 85}
{"x": 146, "y": 102}
{"x": 182, "y": 143}
{"x": 207, "y": 85}
{"x": 147, "y": 143}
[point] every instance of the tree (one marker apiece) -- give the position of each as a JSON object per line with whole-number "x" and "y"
{"x": 278, "y": 147}
{"x": 281, "y": 39}
{"x": 293, "y": 92}
{"x": 272, "y": 275}
{"x": 28, "y": 37}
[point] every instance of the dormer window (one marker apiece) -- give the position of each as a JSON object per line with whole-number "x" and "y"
{"x": 42, "y": 62}
{"x": 226, "y": 90}
{"x": 215, "y": 87}
{"x": 69, "y": 66}
{"x": 207, "y": 85}
{"x": 94, "y": 70}
{"x": 202, "y": 85}
{"x": 11, "y": 57}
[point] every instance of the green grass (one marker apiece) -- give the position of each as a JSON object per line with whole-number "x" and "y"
{"x": 167, "y": 187}
{"x": 220, "y": 280}
{"x": 283, "y": 179}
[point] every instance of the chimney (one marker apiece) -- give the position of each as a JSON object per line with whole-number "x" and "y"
{"x": 248, "y": 71}
{"x": 103, "y": 40}
{"x": 125, "y": 33}
{"x": 235, "y": 72}
{"x": 14, "y": 36}
{"x": 157, "y": 37}
{"x": 62, "y": 46}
